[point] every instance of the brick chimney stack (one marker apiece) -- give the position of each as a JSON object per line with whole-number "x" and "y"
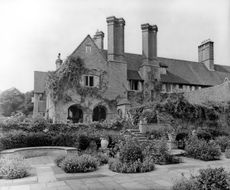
{"x": 149, "y": 41}
{"x": 116, "y": 39}
{"x": 206, "y": 54}
{"x": 99, "y": 39}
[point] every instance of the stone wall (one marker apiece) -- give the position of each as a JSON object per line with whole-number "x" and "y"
{"x": 219, "y": 93}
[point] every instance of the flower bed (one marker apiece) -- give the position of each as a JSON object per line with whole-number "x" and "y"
{"x": 13, "y": 167}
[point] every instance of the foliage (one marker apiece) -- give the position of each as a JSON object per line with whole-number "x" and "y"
{"x": 76, "y": 164}
{"x": 149, "y": 116}
{"x": 203, "y": 134}
{"x": 18, "y": 139}
{"x": 185, "y": 184}
{"x": 69, "y": 77}
{"x": 208, "y": 179}
{"x": 58, "y": 160}
{"x": 83, "y": 142}
{"x": 158, "y": 132}
{"x": 227, "y": 153}
{"x": 10, "y": 101}
{"x": 158, "y": 151}
{"x": 130, "y": 151}
{"x": 201, "y": 149}
{"x": 131, "y": 167}
{"x": 13, "y": 167}
{"x": 223, "y": 142}
{"x": 13, "y": 101}
{"x": 102, "y": 158}
{"x": 38, "y": 123}
{"x": 213, "y": 179}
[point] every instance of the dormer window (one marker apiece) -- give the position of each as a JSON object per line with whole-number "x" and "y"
{"x": 88, "y": 48}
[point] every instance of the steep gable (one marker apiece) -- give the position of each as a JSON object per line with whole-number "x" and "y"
{"x": 39, "y": 81}
{"x": 91, "y": 54}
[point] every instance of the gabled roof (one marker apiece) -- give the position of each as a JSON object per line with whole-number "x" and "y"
{"x": 39, "y": 81}
{"x": 133, "y": 75}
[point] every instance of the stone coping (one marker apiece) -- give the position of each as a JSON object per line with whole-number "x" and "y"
{"x": 67, "y": 149}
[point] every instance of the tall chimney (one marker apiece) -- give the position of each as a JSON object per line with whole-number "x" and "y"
{"x": 58, "y": 61}
{"x": 149, "y": 41}
{"x": 206, "y": 54}
{"x": 99, "y": 39}
{"x": 115, "y": 38}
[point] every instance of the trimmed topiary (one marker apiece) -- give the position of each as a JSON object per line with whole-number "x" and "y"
{"x": 130, "y": 151}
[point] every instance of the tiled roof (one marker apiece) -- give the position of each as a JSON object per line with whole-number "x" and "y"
{"x": 181, "y": 71}
{"x": 178, "y": 71}
{"x": 133, "y": 75}
{"x": 39, "y": 81}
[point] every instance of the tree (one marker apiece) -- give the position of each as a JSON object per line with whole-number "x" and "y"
{"x": 10, "y": 101}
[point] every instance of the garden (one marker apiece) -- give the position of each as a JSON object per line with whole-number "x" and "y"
{"x": 202, "y": 131}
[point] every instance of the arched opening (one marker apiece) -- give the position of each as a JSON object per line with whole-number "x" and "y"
{"x": 99, "y": 113}
{"x": 75, "y": 114}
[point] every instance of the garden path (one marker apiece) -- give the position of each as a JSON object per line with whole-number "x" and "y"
{"x": 48, "y": 177}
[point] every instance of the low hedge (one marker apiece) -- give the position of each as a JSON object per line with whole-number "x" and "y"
{"x": 137, "y": 166}
{"x": 203, "y": 150}
{"x": 19, "y": 139}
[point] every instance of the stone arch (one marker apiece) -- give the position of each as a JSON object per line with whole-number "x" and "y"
{"x": 99, "y": 113}
{"x": 75, "y": 113}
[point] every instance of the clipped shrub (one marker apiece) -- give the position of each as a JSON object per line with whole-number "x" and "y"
{"x": 131, "y": 167}
{"x": 223, "y": 142}
{"x": 185, "y": 184}
{"x": 130, "y": 151}
{"x": 213, "y": 179}
{"x": 13, "y": 167}
{"x": 200, "y": 149}
{"x": 158, "y": 151}
{"x": 77, "y": 164}
{"x": 83, "y": 142}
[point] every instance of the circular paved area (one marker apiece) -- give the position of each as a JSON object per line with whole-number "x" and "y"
{"x": 47, "y": 176}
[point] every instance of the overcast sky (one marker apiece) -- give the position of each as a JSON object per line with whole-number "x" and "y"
{"x": 33, "y": 32}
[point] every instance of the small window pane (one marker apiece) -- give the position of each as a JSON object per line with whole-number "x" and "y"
{"x": 86, "y": 81}
{"x": 91, "y": 83}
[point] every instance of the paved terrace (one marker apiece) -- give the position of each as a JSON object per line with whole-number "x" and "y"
{"x": 45, "y": 175}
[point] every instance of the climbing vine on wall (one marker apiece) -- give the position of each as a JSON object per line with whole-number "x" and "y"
{"x": 69, "y": 76}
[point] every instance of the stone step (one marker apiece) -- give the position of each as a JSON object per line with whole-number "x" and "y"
{"x": 133, "y": 130}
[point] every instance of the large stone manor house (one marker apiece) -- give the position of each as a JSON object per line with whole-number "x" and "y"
{"x": 129, "y": 77}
